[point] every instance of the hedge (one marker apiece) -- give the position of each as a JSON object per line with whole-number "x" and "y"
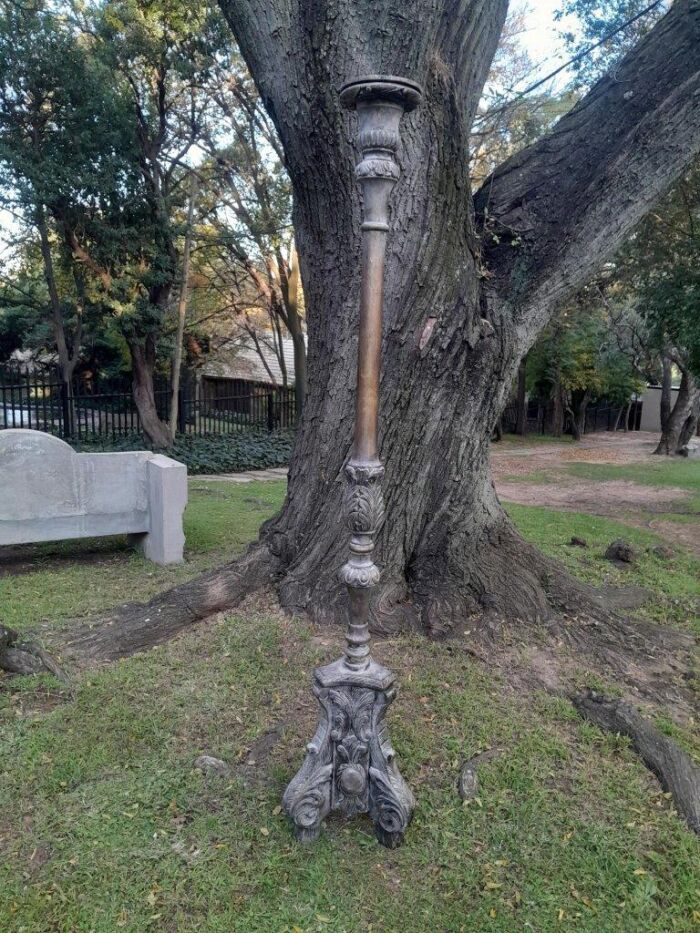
{"x": 214, "y": 453}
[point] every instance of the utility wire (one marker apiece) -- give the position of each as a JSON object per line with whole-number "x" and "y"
{"x": 572, "y": 61}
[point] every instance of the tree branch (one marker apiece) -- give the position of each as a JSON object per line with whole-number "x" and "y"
{"x": 553, "y": 213}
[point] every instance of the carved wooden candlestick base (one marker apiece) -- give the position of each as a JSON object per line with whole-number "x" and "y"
{"x": 350, "y": 765}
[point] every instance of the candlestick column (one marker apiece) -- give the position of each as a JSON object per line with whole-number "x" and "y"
{"x": 350, "y": 764}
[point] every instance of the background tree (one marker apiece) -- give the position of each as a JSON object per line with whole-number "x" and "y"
{"x": 251, "y": 204}
{"x": 108, "y": 109}
{"x": 579, "y": 360}
{"x": 103, "y": 107}
{"x": 51, "y": 91}
{"x": 660, "y": 268}
{"x": 160, "y": 54}
{"x": 614, "y": 27}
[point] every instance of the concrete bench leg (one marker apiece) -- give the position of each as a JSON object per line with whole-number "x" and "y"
{"x": 167, "y": 498}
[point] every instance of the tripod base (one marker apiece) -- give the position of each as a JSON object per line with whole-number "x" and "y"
{"x": 350, "y": 765}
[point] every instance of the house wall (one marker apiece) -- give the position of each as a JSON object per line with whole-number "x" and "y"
{"x": 651, "y": 408}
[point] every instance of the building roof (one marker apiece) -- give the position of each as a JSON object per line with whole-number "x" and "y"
{"x": 240, "y": 360}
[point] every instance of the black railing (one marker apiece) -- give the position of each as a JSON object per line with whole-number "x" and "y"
{"x": 601, "y": 417}
{"x": 39, "y": 400}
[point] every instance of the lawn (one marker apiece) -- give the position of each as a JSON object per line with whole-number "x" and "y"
{"x": 685, "y": 474}
{"x": 106, "y": 826}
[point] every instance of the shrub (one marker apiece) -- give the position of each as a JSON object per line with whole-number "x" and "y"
{"x": 211, "y": 453}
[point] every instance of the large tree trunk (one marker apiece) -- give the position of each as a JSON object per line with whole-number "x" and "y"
{"x": 454, "y": 335}
{"x": 142, "y": 368}
{"x": 682, "y": 422}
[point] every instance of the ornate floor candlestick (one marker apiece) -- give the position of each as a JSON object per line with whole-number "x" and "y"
{"x": 350, "y": 765}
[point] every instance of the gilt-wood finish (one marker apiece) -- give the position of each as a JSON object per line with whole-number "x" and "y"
{"x": 350, "y": 764}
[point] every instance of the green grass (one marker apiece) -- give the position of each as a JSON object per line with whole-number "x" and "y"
{"x": 105, "y": 826}
{"x": 108, "y": 827}
{"x": 531, "y": 440}
{"x": 674, "y": 583}
{"x": 538, "y": 477}
{"x": 668, "y": 471}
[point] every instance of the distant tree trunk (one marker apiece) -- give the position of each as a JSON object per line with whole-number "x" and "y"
{"x": 182, "y": 311}
{"x": 577, "y": 413}
{"x": 690, "y": 428}
{"x": 143, "y": 360}
{"x": 618, "y": 418}
{"x": 666, "y": 390}
{"x": 67, "y": 356}
{"x": 557, "y": 408}
{"x": 626, "y": 421}
{"x": 682, "y": 422}
{"x": 521, "y": 416}
{"x": 296, "y": 329}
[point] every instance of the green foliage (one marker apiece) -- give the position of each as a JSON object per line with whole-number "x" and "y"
{"x": 661, "y": 267}
{"x": 102, "y": 105}
{"x": 578, "y": 354}
{"x": 214, "y": 453}
{"x": 595, "y": 20}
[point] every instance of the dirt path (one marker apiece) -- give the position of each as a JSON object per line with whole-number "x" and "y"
{"x": 623, "y": 500}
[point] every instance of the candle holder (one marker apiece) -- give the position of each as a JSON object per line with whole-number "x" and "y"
{"x": 350, "y": 763}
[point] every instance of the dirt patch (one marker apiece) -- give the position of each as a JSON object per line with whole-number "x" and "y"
{"x": 30, "y": 558}
{"x": 687, "y": 535}
{"x": 596, "y": 498}
{"x": 632, "y": 503}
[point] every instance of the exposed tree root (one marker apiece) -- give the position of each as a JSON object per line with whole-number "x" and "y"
{"x": 135, "y": 627}
{"x": 643, "y": 655}
{"x": 18, "y": 657}
{"x": 536, "y": 603}
{"x": 674, "y": 768}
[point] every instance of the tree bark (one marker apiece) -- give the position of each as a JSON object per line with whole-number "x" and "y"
{"x": 143, "y": 360}
{"x": 682, "y": 422}
{"x": 521, "y": 416}
{"x": 675, "y": 769}
{"x": 469, "y": 284}
{"x": 577, "y": 412}
{"x": 182, "y": 311}
{"x": 666, "y": 390}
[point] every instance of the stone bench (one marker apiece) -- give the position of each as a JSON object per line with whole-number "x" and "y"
{"x": 49, "y": 492}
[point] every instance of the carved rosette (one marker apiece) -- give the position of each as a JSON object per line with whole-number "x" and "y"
{"x": 350, "y": 767}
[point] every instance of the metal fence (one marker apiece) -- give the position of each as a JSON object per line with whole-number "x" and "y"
{"x": 602, "y": 417}
{"x": 39, "y": 400}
